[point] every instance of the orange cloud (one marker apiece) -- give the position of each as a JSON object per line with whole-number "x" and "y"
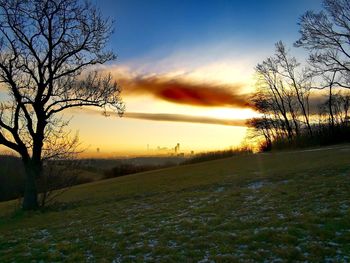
{"x": 181, "y": 87}
{"x": 186, "y": 92}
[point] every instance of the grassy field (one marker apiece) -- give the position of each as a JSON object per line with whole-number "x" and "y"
{"x": 289, "y": 206}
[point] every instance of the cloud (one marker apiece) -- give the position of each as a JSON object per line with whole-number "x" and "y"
{"x": 197, "y": 87}
{"x": 168, "y": 117}
{"x": 183, "y": 118}
{"x": 182, "y": 91}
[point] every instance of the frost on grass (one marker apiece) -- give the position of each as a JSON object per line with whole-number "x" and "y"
{"x": 42, "y": 235}
{"x": 343, "y": 208}
{"x": 206, "y": 258}
{"x": 257, "y": 185}
{"x": 89, "y": 256}
{"x": 118, "y": 259}
{"x": 220, "y": 189}
{"x": 152, "y": 243}
{"x": 172, "y": 244}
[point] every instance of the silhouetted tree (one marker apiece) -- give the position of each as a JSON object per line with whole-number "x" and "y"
{"x": 339, "y": 106}
{"x": 275, "y": 93}
{"x": 326, "y": 35}
{"x": 283, "y": 94}
{"x": 284, "y": 88}
{"x": 299, "y": 83}
{"x": 45, "y": 46}
{"x": 282, "y": 98}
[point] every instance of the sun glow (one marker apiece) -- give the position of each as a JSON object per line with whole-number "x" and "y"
{"x": 152, "y": 105}
{"x": 230, "y": 113}
{"x": 151, "y": 119}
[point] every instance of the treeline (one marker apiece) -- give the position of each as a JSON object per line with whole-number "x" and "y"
{"x": 214, "y": 155}
{"x": 305, "y": 104}
{"x": 128, "y": 168}
{"x": 11, "y": 178}
{"x": 56, "y": 175}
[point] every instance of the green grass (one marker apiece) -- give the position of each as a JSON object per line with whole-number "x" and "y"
{"x": 291, "y": 206}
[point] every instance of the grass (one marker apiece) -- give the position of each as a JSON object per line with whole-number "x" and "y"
{"x": 291, "y": 206}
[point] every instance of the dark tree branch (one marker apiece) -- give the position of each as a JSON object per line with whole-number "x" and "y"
{"x": 45, "y": 47}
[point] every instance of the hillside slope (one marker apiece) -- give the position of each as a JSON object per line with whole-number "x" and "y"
{"x": 278, "y": 206}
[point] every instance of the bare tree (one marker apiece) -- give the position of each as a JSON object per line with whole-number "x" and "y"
{"x": 336, "y": 109}
{"x": 298, "y": 82}
{"x": 326, "y": 35}
{"x": 269, "y": 86}
{"x": 270, "y": 125}
{"x": 282, "y": 97}
{"x": 45, "y": 45}
{"x": 286, "y": 87}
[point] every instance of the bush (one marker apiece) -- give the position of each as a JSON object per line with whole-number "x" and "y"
{"x": 323, "y": 135}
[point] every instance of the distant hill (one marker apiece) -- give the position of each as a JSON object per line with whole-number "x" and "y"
{"x": 103, "y": 164}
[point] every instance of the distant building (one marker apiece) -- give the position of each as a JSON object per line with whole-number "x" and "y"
{"x": 177, "y": 148}
{"x": 162, "y": 149}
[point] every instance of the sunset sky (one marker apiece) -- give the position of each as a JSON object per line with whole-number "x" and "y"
{"x": 186, "y": 69}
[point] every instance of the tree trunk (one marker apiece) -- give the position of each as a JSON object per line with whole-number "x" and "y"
{"x": 30, "y": 199}
{"x": 330, "y": 103}
{"x": 330, "y": 108}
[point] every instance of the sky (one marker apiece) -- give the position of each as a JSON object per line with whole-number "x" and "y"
{"x": 186, "y": 68}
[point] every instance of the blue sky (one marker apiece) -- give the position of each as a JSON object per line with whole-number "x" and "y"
{"x": 157, "y": 27}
